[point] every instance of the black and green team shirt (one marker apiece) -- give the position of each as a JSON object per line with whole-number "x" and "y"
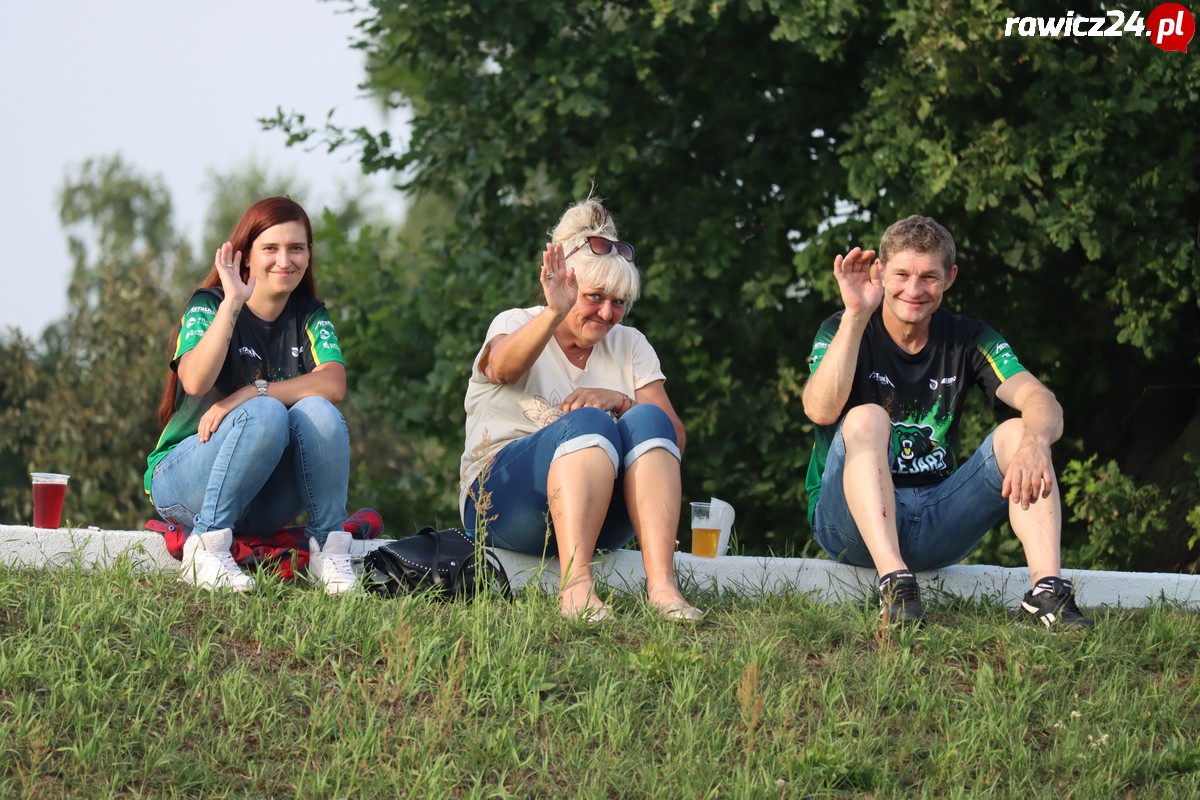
{"x": 295, "y": 344}
{"x": 923, "y": 393}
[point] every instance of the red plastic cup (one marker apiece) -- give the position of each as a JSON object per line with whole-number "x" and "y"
{"x": 49, "y": 491}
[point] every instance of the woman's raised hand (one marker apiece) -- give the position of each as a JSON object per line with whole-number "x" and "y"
{"x": 229, "y": 270}
{"x": 558, "y": 281}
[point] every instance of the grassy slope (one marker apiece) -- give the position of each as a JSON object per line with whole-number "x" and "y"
{"x": 116, "y": 684}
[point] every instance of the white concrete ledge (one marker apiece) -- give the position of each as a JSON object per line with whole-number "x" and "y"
{"x": 748, "y": 576}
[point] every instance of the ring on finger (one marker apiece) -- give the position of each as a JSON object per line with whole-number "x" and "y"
{"x": 549, "y": 274}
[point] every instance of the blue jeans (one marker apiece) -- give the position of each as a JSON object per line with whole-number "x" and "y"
{"x": 263, "y": 465}
{"x": 938, "y": 524}
{"x": 519, "y": 516}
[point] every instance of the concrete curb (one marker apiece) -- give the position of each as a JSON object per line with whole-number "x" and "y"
{"x": 746, "y": 576}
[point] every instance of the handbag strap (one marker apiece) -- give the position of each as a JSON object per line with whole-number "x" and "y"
{"x": 489, "y": 557}
{"x": 455, "y": 575}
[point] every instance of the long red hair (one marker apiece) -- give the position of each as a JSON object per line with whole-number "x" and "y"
{"x": 266, "y": 213}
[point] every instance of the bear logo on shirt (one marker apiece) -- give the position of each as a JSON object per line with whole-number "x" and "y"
{"x": 916, "y": 449}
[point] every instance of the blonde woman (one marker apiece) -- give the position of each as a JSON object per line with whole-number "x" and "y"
{"x": 570, "y": 434}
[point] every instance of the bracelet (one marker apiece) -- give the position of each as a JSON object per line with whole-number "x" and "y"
{"x": 626, "y": 399}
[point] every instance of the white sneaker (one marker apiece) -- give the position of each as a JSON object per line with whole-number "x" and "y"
{"x": 331, "y": 565}
{"x": 207, "y": 563}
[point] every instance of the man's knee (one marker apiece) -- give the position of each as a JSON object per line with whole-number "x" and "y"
{"x": 866, "y": 426}
{"x": 1005, "y": 441}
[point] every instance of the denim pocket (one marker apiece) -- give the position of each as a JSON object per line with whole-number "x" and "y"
{"x": 177, "y": 514}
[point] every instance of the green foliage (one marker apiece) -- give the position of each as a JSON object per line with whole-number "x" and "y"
{"x": 743, "y": 144}
{"x": 399, "y": 468}
{"x": 1121, "y": 516}
{"x": 1193, "y": 514}
{"x": 21, "y": 382}
{"x": 1193, "y": 519}
{"x": 84, "y": 402}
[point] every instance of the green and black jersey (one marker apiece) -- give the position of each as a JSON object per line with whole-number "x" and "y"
{"x": 923, "y": 393}
{"x": 295, "y": 344}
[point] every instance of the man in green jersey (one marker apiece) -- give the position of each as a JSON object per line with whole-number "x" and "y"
{"x": 889, "y": 376}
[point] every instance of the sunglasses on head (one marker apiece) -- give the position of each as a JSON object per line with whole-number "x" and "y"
{"x": 602, "y": 247}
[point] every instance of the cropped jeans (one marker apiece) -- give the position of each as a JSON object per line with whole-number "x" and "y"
{"x": 263, "y": 465}
{"x": 519, "y": 512}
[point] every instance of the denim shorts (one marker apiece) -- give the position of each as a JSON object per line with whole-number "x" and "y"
{"x": 938, "y": 524}
{"x": 519, "y": 511}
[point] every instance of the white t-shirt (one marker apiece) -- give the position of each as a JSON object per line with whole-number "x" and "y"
{"x": 498, "y": 414}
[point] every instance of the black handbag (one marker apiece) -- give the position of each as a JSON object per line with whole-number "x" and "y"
{"x": 446, "y": 563}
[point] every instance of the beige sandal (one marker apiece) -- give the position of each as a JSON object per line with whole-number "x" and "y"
{"x": 591, "y": 614}
{"x": 680, "y": 612}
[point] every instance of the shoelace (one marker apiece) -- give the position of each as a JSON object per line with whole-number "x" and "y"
{"x": 340, "y": 562}
{"x": 900, "y": 591}
{"x": 226, "y": 559}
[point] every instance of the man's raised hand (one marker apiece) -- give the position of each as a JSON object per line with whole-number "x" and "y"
{"x": 859, "y": 280}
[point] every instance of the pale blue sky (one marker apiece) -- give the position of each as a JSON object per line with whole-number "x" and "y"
{"x": 176, "y": 88}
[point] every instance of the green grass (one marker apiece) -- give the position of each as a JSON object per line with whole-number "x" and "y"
{"x": 120, "y": 684}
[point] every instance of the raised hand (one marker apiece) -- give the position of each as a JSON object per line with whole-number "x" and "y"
{"x": 229, "y": 270}
{"x": 558, "y": 281}
{"x": 859, "y": 280}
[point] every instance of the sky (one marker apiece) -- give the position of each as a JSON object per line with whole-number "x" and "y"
{"x": 176, "y": 89}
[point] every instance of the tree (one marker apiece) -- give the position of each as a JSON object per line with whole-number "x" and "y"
{"x": 87, "y": 397}
{"x": 20, "y": 383}
{"x": 742, "y": 145}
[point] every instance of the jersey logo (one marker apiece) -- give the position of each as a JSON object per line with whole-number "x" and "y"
{"x": 916, "y": 450}
{"x": 934, "y": 382}
{"x": 249, "y": 351}
{"x": 881, "y": 378}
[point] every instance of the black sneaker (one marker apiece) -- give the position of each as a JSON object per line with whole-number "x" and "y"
{"x": 1052, "y": 602}
{"x": 900, "y": 598}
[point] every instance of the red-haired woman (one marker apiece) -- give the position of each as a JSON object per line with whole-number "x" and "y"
{"x": 252, "y": 433}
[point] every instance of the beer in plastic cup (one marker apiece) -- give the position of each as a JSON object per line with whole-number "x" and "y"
{"x": 705, "y": 531}
{"x": 49, "y": 491}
